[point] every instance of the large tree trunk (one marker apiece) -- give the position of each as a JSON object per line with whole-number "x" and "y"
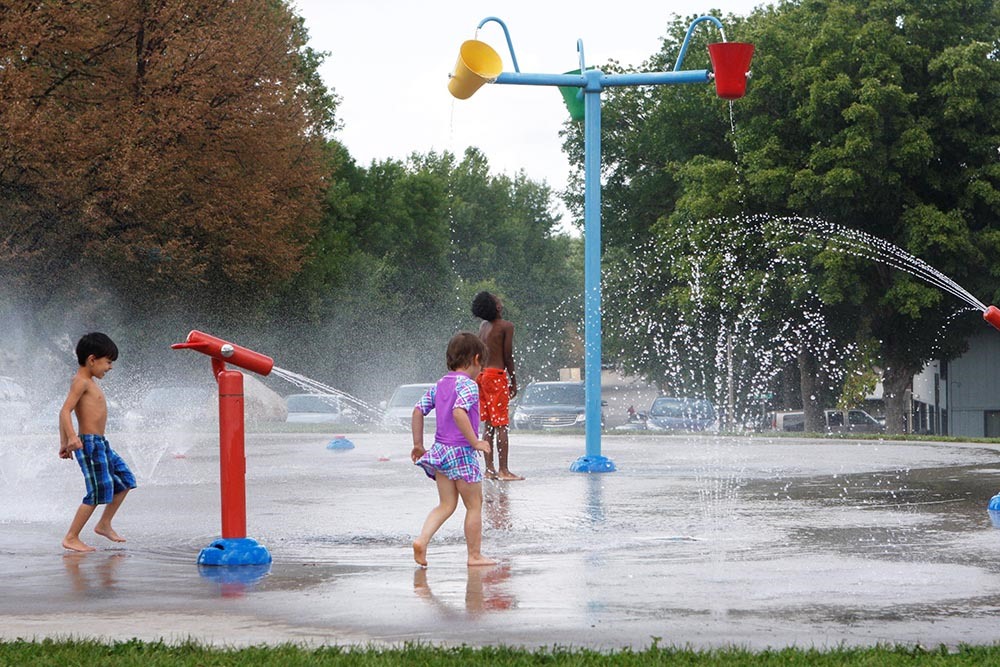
{"x": 812, "y": 404}
{"x": 896, "y": 380}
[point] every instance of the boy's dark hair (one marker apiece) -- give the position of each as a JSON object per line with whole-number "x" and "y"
{"x": 462, "y": 350}
{"x": 97, "y": 344}
{"x": 484, "y": 305}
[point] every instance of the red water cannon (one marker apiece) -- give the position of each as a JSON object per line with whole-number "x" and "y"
{"x": 235, "y": 548}
{"x": 227, "y": 352}
{"x": 992, "y": 315}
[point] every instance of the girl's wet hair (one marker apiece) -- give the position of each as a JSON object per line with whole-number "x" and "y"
{"x": 484, "y": 305}
{"x": 97, "y": 344}
{"x": 462, "y": 350}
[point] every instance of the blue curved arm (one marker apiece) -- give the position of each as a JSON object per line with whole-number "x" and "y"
{"x": 687, "y": 37}
{"x": 579, "y": 48}
{"x": 506, "y": 34}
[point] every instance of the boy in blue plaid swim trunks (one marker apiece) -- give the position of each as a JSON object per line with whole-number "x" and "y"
{"x": 108, "y": 478}
{"x": 452, "y": 461}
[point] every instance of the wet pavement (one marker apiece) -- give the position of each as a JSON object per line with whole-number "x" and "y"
{"x": 695, "y": 541}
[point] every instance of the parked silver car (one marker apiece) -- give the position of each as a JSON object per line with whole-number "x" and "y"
{"x": 550, "y": 405}
{"x": 399, "y": 408}
{"x": 320, "y": 409}
{"x": 668, "y": 413}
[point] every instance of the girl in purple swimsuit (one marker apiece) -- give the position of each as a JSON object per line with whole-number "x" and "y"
{"x": 452, "y": 461}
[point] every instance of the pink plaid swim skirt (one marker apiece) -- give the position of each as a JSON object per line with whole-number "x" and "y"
{"x": 455, "y": 462}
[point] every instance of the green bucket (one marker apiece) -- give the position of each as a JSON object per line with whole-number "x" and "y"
{"x": 573, "y": 97}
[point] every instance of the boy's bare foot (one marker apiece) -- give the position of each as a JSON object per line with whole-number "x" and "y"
{"x": 109, "y": 533}
{"x": 76, "y": 544}
{"x": 508, "y": 476}
{"x": 420, "y": 554}
{"x": 490, "y": 473}
{"x": 476, "y": 561}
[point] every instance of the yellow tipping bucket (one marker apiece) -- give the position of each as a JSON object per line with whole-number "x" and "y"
{"x": 477, "y": 64}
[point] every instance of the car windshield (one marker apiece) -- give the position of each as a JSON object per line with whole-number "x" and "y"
{"x": 682, "y": 407}
{"x": 313, "y": 403}
{"x": 407, "y": 396}
{"x": 554, "y": 394}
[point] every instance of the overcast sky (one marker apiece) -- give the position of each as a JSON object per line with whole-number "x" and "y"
{"x": 389, "y": 62}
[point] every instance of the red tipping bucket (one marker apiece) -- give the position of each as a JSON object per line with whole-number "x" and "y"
{"x": 731, "y": 62}
{"x": 992, "y": 315}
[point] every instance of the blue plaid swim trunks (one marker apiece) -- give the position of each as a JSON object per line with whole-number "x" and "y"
{"x": 455, "y": 462}
{"x": 104, "y": 471}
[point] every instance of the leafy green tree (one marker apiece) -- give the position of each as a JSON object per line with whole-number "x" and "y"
{"x": 506, "y": 240}
{"x": 883, "y": 117}
{"x": 871, "y": 115}
{"x": 401, "y": 250}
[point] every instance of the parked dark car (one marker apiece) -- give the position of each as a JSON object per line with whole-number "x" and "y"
{"x": 550, "y": 405}
{"x": 669, "y": 413}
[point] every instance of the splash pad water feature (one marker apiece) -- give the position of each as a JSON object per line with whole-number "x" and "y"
{"x": 234, "y": 548}
{"x": 478, "y": 63}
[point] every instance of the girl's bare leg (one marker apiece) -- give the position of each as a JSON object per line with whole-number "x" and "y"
{"x": 472, "y": 497}
{"x": 72, "y": 540}
{"x": 447, "y": 502}
{"x": 103, "y": 526}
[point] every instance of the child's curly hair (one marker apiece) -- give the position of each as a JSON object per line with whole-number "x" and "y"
{"x": 484, "y": 305}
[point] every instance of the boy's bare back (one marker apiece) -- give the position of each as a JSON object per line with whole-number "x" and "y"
{"x": 498, "y": 336}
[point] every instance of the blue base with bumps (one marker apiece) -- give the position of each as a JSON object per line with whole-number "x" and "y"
{"x": 234, "y": 551}
{"x": 593, "y": 464}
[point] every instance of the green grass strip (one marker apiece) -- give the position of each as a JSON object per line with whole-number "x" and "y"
{"x": 135, "y": 652}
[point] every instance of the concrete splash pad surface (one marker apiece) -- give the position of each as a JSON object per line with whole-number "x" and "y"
{"x": 697, "y": 541}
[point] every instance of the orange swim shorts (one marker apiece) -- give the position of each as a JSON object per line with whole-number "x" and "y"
{"x": 494, "y": 396}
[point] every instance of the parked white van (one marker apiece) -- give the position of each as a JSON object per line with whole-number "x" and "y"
{"x": 837, "y": 421}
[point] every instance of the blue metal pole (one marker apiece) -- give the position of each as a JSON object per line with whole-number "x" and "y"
{"x": 592, "y": 82}
{"x": 592, "y": 461}
{"x": 592, "y": 265}
{"x": 606, "y": 80}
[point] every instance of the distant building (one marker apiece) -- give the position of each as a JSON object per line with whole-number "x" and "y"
{"x": 970, "y": 389}
{"x": 960, "y": 397}
{"x": 929, "y": 410}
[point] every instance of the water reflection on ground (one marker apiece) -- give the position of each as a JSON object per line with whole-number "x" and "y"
{"x": 700, "y": 541}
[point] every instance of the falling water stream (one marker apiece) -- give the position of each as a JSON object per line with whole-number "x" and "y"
{"x": 862, "y": 244}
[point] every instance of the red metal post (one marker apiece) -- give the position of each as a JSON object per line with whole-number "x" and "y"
{"x": 232, "y": 456}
